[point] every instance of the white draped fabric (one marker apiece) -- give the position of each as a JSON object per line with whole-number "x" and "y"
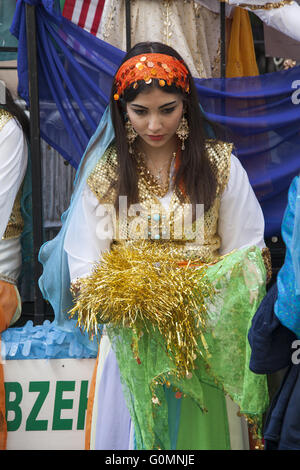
{"x": 13, "y": 163}
{"x": 10, "y": 259}
{"x": 285, "y": 18}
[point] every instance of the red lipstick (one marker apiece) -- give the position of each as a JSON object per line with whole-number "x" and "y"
{"x": 155, "y": 137}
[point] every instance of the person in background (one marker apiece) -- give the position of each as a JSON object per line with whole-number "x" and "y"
{"x": 274, "y": 336}
{"x": 14, "y": 134}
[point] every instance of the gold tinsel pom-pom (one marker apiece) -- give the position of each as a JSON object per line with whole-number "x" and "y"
{"x": 144, "y": 286}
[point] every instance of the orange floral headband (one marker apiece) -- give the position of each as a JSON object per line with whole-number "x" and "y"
{"x": 166, "y": 69}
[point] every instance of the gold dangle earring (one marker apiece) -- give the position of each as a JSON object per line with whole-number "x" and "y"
{"x": 183, "y": 131}
{"x": 131, "y": 135}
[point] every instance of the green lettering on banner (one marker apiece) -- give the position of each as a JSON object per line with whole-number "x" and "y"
{"x": 83, "y": 401}
{"x": 33, "y": 424}
{"x": 60, "y": 403}
{"x": 14, "y": 405}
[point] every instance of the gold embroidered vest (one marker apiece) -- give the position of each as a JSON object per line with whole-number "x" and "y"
{"x": 150, "y": 220}
{"x": 15, "y": 224}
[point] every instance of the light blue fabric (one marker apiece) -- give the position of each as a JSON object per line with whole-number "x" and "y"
{"x": 55, "y": 280}
{"x": 296, "y": 241}
{"x": 44, "y": 341}
{"x": 287, "y": 306}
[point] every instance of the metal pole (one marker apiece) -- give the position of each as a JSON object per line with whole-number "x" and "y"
{"x": 223, "y": 58}
{"x": 39, "y": 304}
{"x": 128, "y": 25}
{"x": 223, "y": 38}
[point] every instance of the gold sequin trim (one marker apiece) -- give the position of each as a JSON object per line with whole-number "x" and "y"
{"x": 267, "y": 6}
{"x": 266, "y": 255}
{"x": 103, "y": 179}
{"x": 5, "y": 116}
{"x": 152, "y": 182}
{"x": 75, "y": 287}
{"x": 219, "y": 154}
{"x": 15, "y": 224}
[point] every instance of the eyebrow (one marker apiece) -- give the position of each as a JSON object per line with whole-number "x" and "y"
{"x": 160, "y": 107}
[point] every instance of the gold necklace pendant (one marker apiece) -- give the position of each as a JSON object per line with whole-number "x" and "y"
{"x": 155, "y": 181}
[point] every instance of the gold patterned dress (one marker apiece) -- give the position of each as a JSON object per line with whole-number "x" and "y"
{"x": 234, "y": 221}
{"x": 191, "y": 29}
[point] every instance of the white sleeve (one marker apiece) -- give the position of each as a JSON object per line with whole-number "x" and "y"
{"x": 241, "y": 221}
{"x": 89, "y": 234}
{"x": 13, "y": 163}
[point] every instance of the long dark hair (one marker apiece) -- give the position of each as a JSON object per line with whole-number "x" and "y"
{"x": 195, "y": 170}
{"x": 17, "y": 112}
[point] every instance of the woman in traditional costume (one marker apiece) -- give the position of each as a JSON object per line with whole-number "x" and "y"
{"x": 274, "y": 336}
{"x": 14, "y": 129}
{"x": 162, "y": 248}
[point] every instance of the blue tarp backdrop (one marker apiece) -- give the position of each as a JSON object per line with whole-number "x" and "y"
{"x": 75, "y": 71}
